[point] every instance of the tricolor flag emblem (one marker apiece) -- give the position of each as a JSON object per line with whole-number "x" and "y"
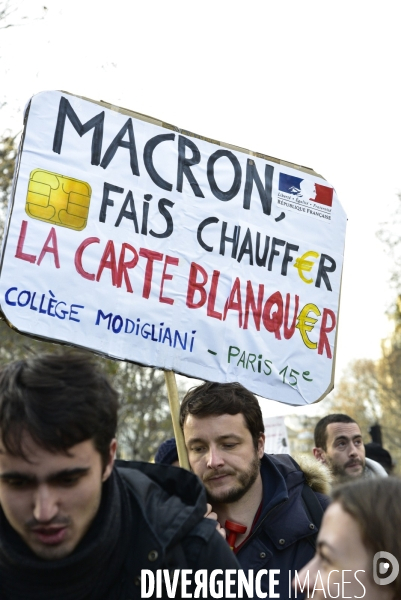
{"x": 324, "y": 195}
{"x": 290, "y": 184}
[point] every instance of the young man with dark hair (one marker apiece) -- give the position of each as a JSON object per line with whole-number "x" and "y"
{"x": 339, "y": 445}
{"x": 72, "y": 523}
{"x": 267, "y": 494}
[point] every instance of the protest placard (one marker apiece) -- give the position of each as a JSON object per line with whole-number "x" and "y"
{"x": 276, "y": 436}
{"x": 147, "y": 243}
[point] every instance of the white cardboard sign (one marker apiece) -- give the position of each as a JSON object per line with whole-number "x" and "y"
{"x": 276, "y": 436}
{"x": 142, "y": 242}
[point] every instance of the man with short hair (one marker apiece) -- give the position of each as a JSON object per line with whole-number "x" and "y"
{"x": 224, "y": 435}
{"x": 339, "y": 445}
{"x": 73, "y": 525}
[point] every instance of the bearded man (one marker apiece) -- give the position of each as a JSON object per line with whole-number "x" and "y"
{"x": 224, "y": 435}
{"x": 339, "y": 445}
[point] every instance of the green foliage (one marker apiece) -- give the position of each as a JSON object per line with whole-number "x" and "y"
{"x": 144, "y": 420}
{"x": 8, "y": 153}
{"x": 14, "y": 346}
{"x": 389, "y": 373}
{"x": 357, "y": 394}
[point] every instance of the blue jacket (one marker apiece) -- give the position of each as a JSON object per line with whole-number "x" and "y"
{"x": 281, "y": 537}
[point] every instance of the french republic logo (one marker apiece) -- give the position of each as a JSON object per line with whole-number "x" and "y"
{"x": 304, "y": 195}
{"x": 290, "y": 184}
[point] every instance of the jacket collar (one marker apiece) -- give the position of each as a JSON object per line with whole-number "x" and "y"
{"x": 274, "y": 486}
{"x": 283, "y": 515}
{"x": 173, "y": 498}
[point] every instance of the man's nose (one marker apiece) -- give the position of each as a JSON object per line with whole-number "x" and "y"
{"x": 214, "y": 459}
{"x": 45, "y": 504}
{"x": 353, "y": 451}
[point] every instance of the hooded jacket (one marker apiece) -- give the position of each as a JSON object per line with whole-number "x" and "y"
{"x": 150, "y": 518}
{"x": 281, "y": 538}
{"x": 169, "y": 504}
{"x": 374, "y": 469}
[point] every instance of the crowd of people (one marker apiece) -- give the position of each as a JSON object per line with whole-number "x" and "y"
{"x": 77, "y": 524}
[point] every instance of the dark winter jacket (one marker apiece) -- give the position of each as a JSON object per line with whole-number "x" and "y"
{"x": 170, "y": 505}
{"x": 281, "y": 538}
{"x": 150, "y": 517}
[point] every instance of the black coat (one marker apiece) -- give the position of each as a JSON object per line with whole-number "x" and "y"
{"x": 169, "y": 505}
{"x": 150, "y": 518}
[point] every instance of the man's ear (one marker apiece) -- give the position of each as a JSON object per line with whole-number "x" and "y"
{"x": 110, "y": 463}
{"x": 261, "y": 445}
{"x": 319, "y": 454}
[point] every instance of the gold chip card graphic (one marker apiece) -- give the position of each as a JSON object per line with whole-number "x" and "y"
{"x": 58, "y": 199}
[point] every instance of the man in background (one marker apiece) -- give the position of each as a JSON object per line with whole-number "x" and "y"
{"x": 339, "y": 445}
{"x": 167, "y": 453}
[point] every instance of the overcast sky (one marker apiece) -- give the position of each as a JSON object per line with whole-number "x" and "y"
{"x": 315, "y": 83}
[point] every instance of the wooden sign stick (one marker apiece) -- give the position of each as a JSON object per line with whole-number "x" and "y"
{"x": 174, "y": 402}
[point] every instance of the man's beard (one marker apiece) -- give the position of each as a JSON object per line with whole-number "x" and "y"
{"x": 245, "y": 480}
{"x": 339, "y": 472}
